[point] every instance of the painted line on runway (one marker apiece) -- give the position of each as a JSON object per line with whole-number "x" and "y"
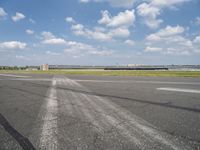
{"x": 49, "y": 132}
{"x": 133, "y": 81}
{"x": 179, "y": 90}
{"x": 12, "y": 75}
{"x": 132, "y": 127}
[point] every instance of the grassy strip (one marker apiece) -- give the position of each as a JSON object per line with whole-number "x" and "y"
{"x": 111, "y": 73}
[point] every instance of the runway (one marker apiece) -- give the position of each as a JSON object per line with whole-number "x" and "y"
{"x": 58, "y": 112}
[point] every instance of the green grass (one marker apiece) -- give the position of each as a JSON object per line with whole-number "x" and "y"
{"x": 111, "y": 73}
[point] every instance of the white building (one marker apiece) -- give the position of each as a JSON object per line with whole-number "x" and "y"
{"x": 44, "y": 67}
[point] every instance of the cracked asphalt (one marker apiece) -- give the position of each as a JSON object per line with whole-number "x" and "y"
{"x": 98, "y": 112}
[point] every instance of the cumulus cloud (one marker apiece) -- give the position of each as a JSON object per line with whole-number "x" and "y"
{"x": 20, "y": 57}
{"x": 100, "y": 34}
{"x": 49, "y": 38}
{"x": 18, "y": 16}
{"x": 52, "y": 53}
{"x": 72, "y": 47}
{"x": 13, "y": 45}
{"x": 166, "y": 32}
{"x": 150, "y": 14}
{"x": 2, "y": 12}
{"x": 28, "y": 31}
{"x": 70, "y": 20}
{"x": 77, "y": 49}
{"x": 32, "y": 21}
{"x": 197, "y": 21}
{"x": 150, "y": 11}
{"x": 197, "y": 39}
{"x": 171, "y": 40}
{"x": 120, "y": 32}
{"x": 114, "y": 3}
{"x": 152, "y": 49}
{"x": 84, "y": 1}
{"x": 126, "y": 18}
{"x": 167, "y": 3}
{"x": 129, "y": 42}
{"x": 115, "y": 27}
{"x": 80, "y": 30}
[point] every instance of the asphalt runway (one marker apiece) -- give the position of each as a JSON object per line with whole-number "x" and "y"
{"x": 59, "y": 112}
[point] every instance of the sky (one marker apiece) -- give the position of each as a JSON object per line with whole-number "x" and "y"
{"x": 99, "y": 32}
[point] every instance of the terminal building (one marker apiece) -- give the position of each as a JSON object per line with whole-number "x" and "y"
{"x": 44, "y": 67}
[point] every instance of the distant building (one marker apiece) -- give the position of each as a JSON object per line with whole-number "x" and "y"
{"x": 32, "y": 68}
{"x": 134, "y": 65}
{"x": 44, "y": 67}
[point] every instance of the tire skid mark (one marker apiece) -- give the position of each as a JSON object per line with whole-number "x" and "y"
{"x": 133, "y": 125}
{"x": 136, "y": 126}
{"x": 86, "y": 111}
{"x": 143, "y": 127}
{"x": 114, "y": 123}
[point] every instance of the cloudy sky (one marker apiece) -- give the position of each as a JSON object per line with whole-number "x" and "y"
{"x": 99, "y": 32}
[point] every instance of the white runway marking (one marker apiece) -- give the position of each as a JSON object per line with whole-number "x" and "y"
{"x": 12, "y": 75}
{"x": 134, "y": 81}
{"x": 179, "y": 90}
{"x": 48, "y": 138}
{"x": 102, "y": 113}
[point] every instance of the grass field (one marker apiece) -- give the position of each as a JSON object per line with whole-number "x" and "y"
{"x": 110, "y": 72}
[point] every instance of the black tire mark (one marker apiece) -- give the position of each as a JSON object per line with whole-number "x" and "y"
{"x": 23, "y": 141}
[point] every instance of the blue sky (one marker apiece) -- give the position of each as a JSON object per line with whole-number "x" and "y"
{"x": 99, "y": 32}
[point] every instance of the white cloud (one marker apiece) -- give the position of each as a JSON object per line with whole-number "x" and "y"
{"x": 126, "y": 18}
{"x": 114, "y": 3}
{"x": 197, "y": 21}
{"x": 166, "y": 32}
{"x": 18, "y": 16}
{"x": 197, "y": 39}
{"x": 47, "y": 35}
{"x": 176, "y": 51}
{"x": 106, "y": 17}
{"x": 84, "y": 1}
{"x": 153, "y": 37}
{"x": 70, "y": 20}
{"x": 81, "y": 49}
{"x": 152, "y": 49}
{"x": 116, "y": 27}
{"x": 167, "y": 3}
{"x": 73, "y": 47}
{"x": 150, "y": 11}
{"x": 22, "y": 57}
{"x": 12, "y": 45}
{"x": 2, "y": 12}
{"x": 77, "y": 27}
{"x": 172, "y": 41}
{"x": 170, "y": 31}
{"x": 119, "y": 32}
{"x": 52, "y": 53}
{"x": 150, "y": 14}
{"x": 129, "y": 42}
{"x": 55, "y": 41}
{"x": 49, "y": 38}
{"x": 28, "y": 31}
{"x": 32, "y": 21}
{"x": 122, "y": 3}
{"x": 99, "y": 33}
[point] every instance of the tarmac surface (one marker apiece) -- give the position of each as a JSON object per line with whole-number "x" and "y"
{"x": 74, "y": 112}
